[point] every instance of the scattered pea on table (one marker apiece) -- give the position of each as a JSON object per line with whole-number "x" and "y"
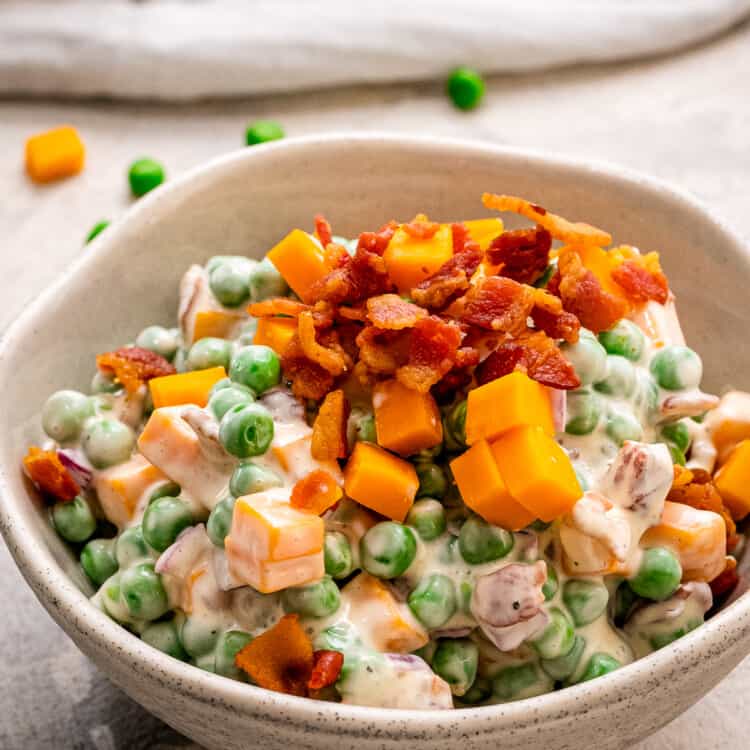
{"x": 465, "y": 88}
{"x": 144, "y": 175}
{"x": 263, "y": 131}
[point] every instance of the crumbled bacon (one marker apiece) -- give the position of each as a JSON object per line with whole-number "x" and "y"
{"x": 389, "y": 311}
{"x": 335, "y": 256}
{"x": 326, "y": 669}
{"x": 331, "y": 358}
{"x": 548, "y": 316}
{"x": 462, "y": 238}
{"x": 432, "y": 353}
{"x": 315, "y": 493}
{"x": 451, "y": 279}
{"x": 308, "y": 379}
{"x": 640, "y": 284}
{"x": 583, "y": 296}
{"x": 132, "y": 366}
{"x": 377, "y": 242}
{"x": 352, "y": 313}
{"x": 694, "y": 487}
{"x": 277, "y": 306}
{"x": 329, "y": 428}
{"x": 48, "y": 472}
{"x": 420, "y": 228}
{"x": 323, "y": 230}
{"x": 535, "y": 354}
{"x": 523, "y": 254}
{"x": 383, "y": 352}
{"x": 458, "y": 377}
{"x": 499, "y": 304}
{"x": 725, "y": 582}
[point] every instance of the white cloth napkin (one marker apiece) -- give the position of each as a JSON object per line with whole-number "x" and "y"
{"x": 172, "y": 49}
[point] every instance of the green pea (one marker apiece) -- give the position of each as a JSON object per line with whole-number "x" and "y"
{"x": 228, "y": 280}
{"x": 598, "y": 665}
{"x": 256, "y": 367}
{"x": 481, "y": 543}
{"x": 678, "y": 434}
{"x": 448, "y": 551}
{"x": 142, "y": 592}
{"x": 131, "y": 546}
{"x": 585, "y": 600}
{"x": 658, "y": 576}
{"x": 249, "y": 478}
{"x": 180, "y": 360}
{"x": 557, "y": 639}
{"x": 107, "y": 441}
{"x": 388, "y": 549}
{"x": 220, "y": 521}
{"x": 163, "y": 520}
{"x": 246, "y": 430}
{"x": 98, "y": 560}
{"x": 588, "y": 357}
{"x": 660, "y": 640}
{"x": 620, "y": 379}
{"x": 676, "y": 368}
{"x": 319, "y": 599}
{"x": 209, "y": 352}
{"x": 364, "y": 429}
{"x": 551, "y": 584}
{"x": 427, "y": 517}
{"x": 465, "y": 87}
{"x": 622, "y": 426}
{"x": 427, "y": 651}
{"x": 337, "y": 554}
{"x": 456, "y": 661}
{"x": 206, "y": 662}
{"x": 584, "y": 409}
{"x": 247, "y": 332}
{"x": 162, "y": 341}
{"x": 562, "y": 667}
{"x": 510, "y": 682}
{"x": 456, "y": 423}
{"x": 164, "y": 636}
{"x": 74, "y": 520}
{"x": 167, "y": 489}
{"x": 101, "y": 383}
{"x": 64, "y": 413}
{"x": 227, "y": 398}
{"x": 432, "y": 480}
{"x": 265, "y": 282}
{"x": 465, "y": 592}
{"x": 646, "y": 394}
{"x": 678, "y": 457}
{"x": 625, "y": 339}
{"x": 96, "y": 230}
{"x": 263, "y": 131}
{"x": 144, "y": 175}
{"x": 229, "y": 645}
{"x": 625, "y": 600}
{"x": 433, "y": 602}
{"x": 479, "y": 692}
{"x": 198, "y": 637}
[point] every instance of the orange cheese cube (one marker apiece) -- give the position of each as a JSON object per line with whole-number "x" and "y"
{"x": 121, "y": 487}
{"x": 504, "y": 403}
{"x": 383, "y": 623}
{"x": 406, "y": 421}
{"x": 185, "y": 387}
{"x": 380, "y": 481}
{"x": 601, "y": 263}
{"x": 697, "y": 537}
{"x": 219, "y": 324}
{"x": 584, "y": 555}
{"x": 410, "y": 260}
{"x": 275, "y": 332}
{"x": 483, "y": 490}
{"x": 292, "y": 449}
{"x": 483, "y": 231}
{"x": 729, "y": 423}
{"x": 733, "y": 481}
{"x": 299, "y": 259}
{"x": 537, "y": 471}
{"x": 55, "y": 154}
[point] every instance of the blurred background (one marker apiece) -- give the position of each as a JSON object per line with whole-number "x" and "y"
{"x": 660, "y": 86}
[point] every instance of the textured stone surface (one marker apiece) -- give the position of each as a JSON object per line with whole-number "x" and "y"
{"x": 683, "y": 119}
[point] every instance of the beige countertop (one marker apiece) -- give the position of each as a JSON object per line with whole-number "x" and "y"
{"x": 685, "y": 119}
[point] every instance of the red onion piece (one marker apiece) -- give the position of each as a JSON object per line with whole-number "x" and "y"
{"x": 75, "y": 462}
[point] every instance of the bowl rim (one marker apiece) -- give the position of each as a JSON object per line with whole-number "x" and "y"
{"x": 70, "y": 607}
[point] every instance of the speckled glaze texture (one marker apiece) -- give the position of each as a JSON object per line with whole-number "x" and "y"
{"x": 244, "y": 203}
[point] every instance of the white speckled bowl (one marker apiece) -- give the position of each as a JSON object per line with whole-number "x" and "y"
{"x": 243, "y": 203}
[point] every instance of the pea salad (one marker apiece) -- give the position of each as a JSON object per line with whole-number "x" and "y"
{"x": 439, "y": 465}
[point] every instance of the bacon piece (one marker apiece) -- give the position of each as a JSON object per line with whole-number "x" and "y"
{"x": 389, "y": 311}
{"x": 133, "y": 366}
{"x": 335, "y": 256}
{"x": 315, "y": 493}
{"x": 331, "y": 358}
{"x": 462, "y": 240}
{"x": 571, "y": 233}
{"x": 383, "y": 352}
{"x": 458, "y": 377}
{"x": 277, "y": 306}
{"x": 48, "y": 472}
{"x": 583, "y": 296}
{"x": 548, "y": 316}
{"x": 280, "y": 658}
{"x": 377, "y": 242}
{"x": 352, "y": 313}
{"x": 432, "y": 353}
{"x": 694, "y": 487}
{"x": 308, "y": 379}
{"x": 499, "y": 304}
{"x": 533, "y": 353}
{"x": 522, "y": 253}
{"x": 640, "y": 284}
{"x": 329, "y": 429}
{"x": 326, "y": 669}
{"x": 450, "y": 280}
{"x": 726, "y": 581}
{"x": 421, "y": 228}
{"x": 323, "y": 229}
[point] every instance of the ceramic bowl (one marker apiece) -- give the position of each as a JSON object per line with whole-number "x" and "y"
{"x": 243, "y": 203}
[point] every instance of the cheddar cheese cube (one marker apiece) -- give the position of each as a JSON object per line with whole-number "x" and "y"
{"x": 483, "y": 489}
{"x": 483, "y": 231}
{"x": 733, "y": 481}
{"x": 601, "y": 263}
{"x": 729, "y": 423}
{"x": 511, "y": 401}
{"x": 410, "y": 260}
{"x": 380, "y": 481}
{"x": 218, "y": 324}
{"x": 406, "y": 421}
{"x": 185, "y": 387}
{"x": 275, "y": 332}
{"x": 55, "y": 154}
{"x": 299, "y": 259}
{"x": 292, "y": 448}
{"x": 120, "y": 488}
{"x": 537, "y": 472}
